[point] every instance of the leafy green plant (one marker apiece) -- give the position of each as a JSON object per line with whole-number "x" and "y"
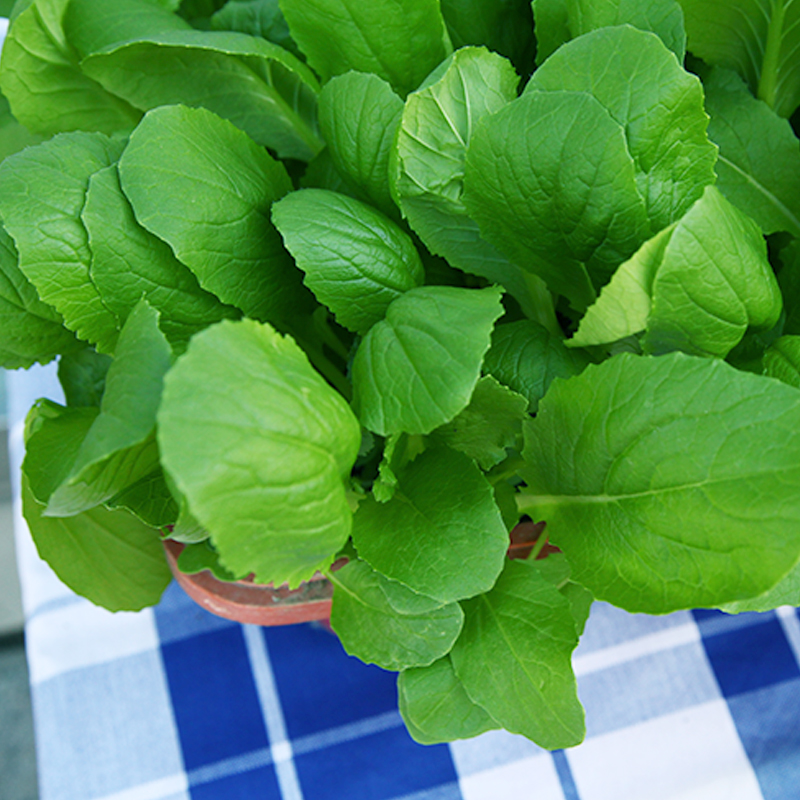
{"x": 379, "y": 279}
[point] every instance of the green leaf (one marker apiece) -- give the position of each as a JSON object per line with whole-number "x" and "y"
{"x": 257, "y": 85}
{"x": 435, "y": 706}
{"x": 358, "y": 117}
{"x": 262, "y": 18}
{"x": 91, "y": 25}
{"x": 696, "y": 286}
{"x": 658, "y": 105}
{"x": 488, "y": 425}
{"x": 109, "y": 557}
{"x": 400, "y": 41}
{"x": 212, "y": 207}
{"x": 572, "y": 208}
{"x": 427, "y": 173}
{"x": 128, "y": 263}
{"x": 786, "y": 592}
{"x": 759, "y": 155}
{"x": 42, "y": 193}
{"x": 527, "y": 358}
{"x": 356, "y": 260}
{"x": 149, "y": 499}
{"x": 82, "y": 376}
{"x": 558, "y": 21}
{"x": 782, "y": 360}
{"x": 41, "y": 77}
{"x": 759, "y": 39}
{"x": 373, "y": 629}
{"x": 282, "y": 446}
{"x": 195, "y": 558}
{"x": 504, "y": 26}
{"x": 441, "y": 535}
{"x": 119, "y": 448}
{"x": 13, "y": 136}
{"x": 416, "y": 369}
{"x": 656, "y": 475}
{"x": 399, "y": 450}
{"x": 30, "y": 330}
{"x": 513, "y": 657}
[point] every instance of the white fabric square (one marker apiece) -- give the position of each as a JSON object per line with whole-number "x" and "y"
{"x": 693, "y": 754}
{"x": 82, "y": 635}
{"x": 533, "y": 778}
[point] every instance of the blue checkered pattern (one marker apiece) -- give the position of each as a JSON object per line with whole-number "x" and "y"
{"x": 176, "y": 704}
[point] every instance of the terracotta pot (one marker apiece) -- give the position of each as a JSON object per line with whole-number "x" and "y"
{"x": 259, "y": 604}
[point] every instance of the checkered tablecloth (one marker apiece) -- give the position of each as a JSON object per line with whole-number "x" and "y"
{"x": 173, "y": 703}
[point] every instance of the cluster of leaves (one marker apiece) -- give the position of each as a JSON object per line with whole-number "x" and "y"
{"x": 376, "y": 279}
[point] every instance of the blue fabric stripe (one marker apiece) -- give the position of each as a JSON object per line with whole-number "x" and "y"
{"x": 565, "y": 775}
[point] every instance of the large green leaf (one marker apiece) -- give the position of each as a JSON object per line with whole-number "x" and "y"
{"x": 30, "y": 330}
{"x": 109, "y": 557}
{"x": 400, "y": 41}
{"x": 264, "y": 466}
{"x": 356, "y": 260}
{"x": 119, "y": 448}
{"x": 696, "y": 286}
{"x": 260, "y": 87}
{"x": 551, "y": 183}
{"x": 657, "y": 104}
{"x": 760, "y": 39}
{"x": 527, "y": 358}
{"x": 558, "y": 21}
{"x": 128, "y": 263}
{"x": 427, "y": 173}
{"x": 504, "y": 26}
{"x": 655, "y": 474}
{"x": 358, "y": 117}
{"x": 441, "y": 534}
{"x": 212, "y": 206}
{"x": 13, "y": 136}
{"x": 416, "y": 369}
{"x": 371, "y": 627}
{"x": 41, "y": 77}
{"x": 435, "y": 706}
{"x": 786, "y": 592}
{"x": 42, "y": 193}
{"x": 514, "y": 657}
{"x": 759, "y": 155}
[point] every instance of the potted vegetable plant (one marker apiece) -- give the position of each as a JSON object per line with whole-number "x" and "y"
{"x": 377, "y": 280}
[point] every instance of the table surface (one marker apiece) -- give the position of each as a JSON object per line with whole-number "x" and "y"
{"x": 173, "y": 703}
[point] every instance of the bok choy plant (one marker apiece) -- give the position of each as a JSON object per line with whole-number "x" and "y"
{"x": 382, "y": 278}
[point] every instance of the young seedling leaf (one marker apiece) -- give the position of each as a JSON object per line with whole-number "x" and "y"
{"x": 514, "y": 657}
{"x": 400, "y": 41}
{"x": 759, "y": 156}
{"x": 417, "y": 368}
{"x": 128, "y": 263}
{"x": 558, "y": 21}
{"x": 527, "y": 358}
{"x": 358, "y": 117}
{"x": 441, "y": 534}
{"x": 109, "y": 557}
{"x": 551, "y": 183}
{"x": 212, "y": 207}
{"x": 39, "y": 61}
{"x": 42, "y": 193}
{"x": 435, "y": 706}
{"x": 654, "y": 473}
{"x": 371, "y": 627}
{"x": 282, "y": 446}
{"x": 356, "y": 260}
{"x": 657, "y": 104}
